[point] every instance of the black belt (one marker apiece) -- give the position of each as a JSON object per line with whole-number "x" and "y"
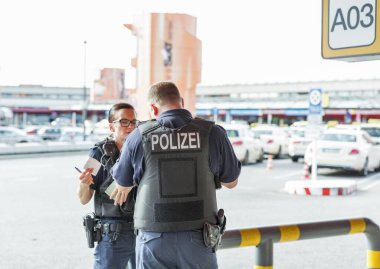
{"x": 116, "y": 227}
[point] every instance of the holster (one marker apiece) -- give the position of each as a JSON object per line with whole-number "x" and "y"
{"x": 212, "y": 233}
{"x": 92, "y": 228}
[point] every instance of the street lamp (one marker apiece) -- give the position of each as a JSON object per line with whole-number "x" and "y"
{"x": 84, "y": 112}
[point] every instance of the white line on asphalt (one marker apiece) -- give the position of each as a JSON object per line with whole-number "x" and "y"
{"x": 367, "y": 179}
{"x": 370, "y": 186}
{"x": 288, "y": 175}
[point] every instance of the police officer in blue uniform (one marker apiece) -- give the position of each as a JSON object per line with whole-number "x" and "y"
{"x": 177, "y": 161}
{"x": 116, "y": 248}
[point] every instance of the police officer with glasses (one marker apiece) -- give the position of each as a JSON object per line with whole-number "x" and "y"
{"x": 178, "y": 162}
{"x": 114, "y": 224}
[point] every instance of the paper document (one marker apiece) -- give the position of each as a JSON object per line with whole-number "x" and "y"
{"x": 110, "y": 188}
{"x": 94, "y": 164}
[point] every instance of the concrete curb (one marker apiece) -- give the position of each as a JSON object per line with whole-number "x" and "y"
{"x": 321, "y": 187}
{"x": 48, "y": 147}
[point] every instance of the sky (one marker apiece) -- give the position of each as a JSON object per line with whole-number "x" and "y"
{"x": 42, "y": 41}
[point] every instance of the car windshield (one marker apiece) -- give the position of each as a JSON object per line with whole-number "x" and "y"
{"x": 372, "y": 131}
{"x": 339, "y": 137}
{"x": 232, "y": 133}
{"x": 298, "y": 133}
{"x": 263, "y": 132}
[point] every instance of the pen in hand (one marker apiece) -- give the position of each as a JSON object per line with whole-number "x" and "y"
{"x": 76, "y": 168}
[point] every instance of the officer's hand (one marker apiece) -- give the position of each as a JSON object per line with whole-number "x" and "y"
{"x": 120, "y": 194}
{"x": 86, "y": 177}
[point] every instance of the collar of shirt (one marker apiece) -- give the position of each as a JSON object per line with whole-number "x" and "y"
{"x": 175, "y": 117}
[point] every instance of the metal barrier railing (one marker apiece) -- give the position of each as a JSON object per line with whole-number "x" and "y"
{"x": 264, "y": 237}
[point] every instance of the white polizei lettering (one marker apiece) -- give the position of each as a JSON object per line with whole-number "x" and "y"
{"x": 154, "y": 140}
{"x": 178, "y": 141}
{"x": 171, "y": 142}
{"x": 198, "y": 141}
{"x": 183, "y": 145}
{"x": 167, "y": 141}
{"x": 191, "y": 140}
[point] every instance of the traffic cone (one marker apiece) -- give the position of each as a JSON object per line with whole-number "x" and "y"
{"x": 269, "y": 162}
{"x": 306, "y": 174}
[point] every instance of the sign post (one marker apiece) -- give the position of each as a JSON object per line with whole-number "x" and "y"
{"x": 313, "y": 129}
{"x": 351, "y": 30}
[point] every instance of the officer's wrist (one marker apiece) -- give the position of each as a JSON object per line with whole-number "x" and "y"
{"x": 85, "y": 185}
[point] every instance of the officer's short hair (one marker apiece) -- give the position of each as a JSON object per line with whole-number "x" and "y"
{"x": 164, "y": 92}
{"x": 115, "y": 108}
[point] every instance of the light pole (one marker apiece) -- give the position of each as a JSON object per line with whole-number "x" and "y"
{"x": 84, "y": 112}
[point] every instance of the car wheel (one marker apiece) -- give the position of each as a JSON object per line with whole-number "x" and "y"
{"x": 364, "y": 171}
{"x": 246, "y": 158}
{"x": 279, "y": 153}
{"x": 377, "y": 168}
{"x": 261, "y": 157}
{"x": 294, "y": 159}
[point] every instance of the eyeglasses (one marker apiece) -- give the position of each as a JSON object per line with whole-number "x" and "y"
{"x": 127, "y": 123}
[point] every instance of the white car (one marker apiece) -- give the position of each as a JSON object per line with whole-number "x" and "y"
{"x": 373, "y": 129}
{"x": 347, "y": 149}
{"x": 49, "y": 133}
{"x": 247, "y": 148}
{"x": 72, "y": 134}
{"x": 12, "y": 135}
{"x": 298, "y": 143}
{"x": 274, "y": 138}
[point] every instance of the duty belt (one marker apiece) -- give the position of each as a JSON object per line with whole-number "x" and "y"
{"x": 116, "y": 227}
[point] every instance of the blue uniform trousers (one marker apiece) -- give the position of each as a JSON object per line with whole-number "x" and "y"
{"x": 117, "y": 254}
{"x": 175, "y": 250}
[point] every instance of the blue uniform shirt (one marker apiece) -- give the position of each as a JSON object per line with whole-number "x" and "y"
{"x": 222, "y": 159}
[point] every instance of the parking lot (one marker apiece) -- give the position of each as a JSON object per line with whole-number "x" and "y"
{"x": 42, "y": 215}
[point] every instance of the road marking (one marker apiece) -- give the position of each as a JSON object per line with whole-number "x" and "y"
{"x": 289, "y": 175}
{"x": 368, "y": 179}
{"x": 366, "y": 188}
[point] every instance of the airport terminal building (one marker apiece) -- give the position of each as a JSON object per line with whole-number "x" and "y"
{"x": 279, "y": 103}
{"x": 284, "y": 103}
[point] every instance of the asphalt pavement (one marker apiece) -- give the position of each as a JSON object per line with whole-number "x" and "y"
{"x": 41, "y": 217}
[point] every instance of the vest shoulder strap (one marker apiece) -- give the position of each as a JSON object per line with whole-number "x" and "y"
{"x": 148, "y": 126}
{"x": 99, "y": 145}
{"x": 204, "y": 123}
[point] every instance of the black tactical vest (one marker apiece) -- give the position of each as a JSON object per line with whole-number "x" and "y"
{"x": 177, "y": 191}
{"x": 104, "y": 206}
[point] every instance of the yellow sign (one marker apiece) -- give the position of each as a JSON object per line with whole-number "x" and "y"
{"x": 350, "y": 30}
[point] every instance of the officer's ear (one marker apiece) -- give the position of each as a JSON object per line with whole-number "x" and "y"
{"x": 111, "y": 127}
{"x": 154, "y": 110}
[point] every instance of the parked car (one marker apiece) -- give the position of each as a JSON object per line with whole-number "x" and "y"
{"x": 247, "y": 148}
{"x": 12, "y": 135}
{"x": 275, "y": 139}
{"x": 298, "y": 143}
{"x": 373, "y": 129}
{"x": 348, "y": 149}
{"x": 49, "y": 133}
{"x": 71, "y": 134}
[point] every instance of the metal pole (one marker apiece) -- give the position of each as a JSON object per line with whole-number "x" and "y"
{"x": 84, "y": 112}
{"x": 264, "y": 255}
{"x": 264, "y": 237}
{"x": 314, "y": 167}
